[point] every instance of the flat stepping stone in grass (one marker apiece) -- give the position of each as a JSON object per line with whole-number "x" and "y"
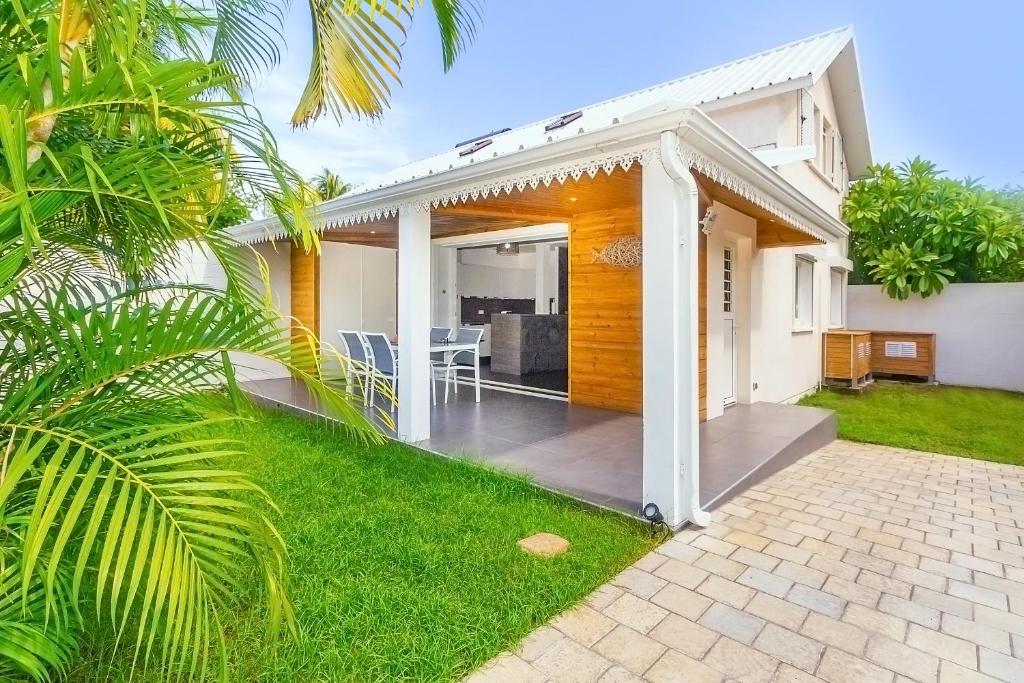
{"x": 543, "y": 544}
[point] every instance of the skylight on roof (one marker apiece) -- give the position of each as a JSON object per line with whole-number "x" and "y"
{"x": 562, "y": 121}
{"x": 475, "y": 147}
{"x": 482, "y": 137}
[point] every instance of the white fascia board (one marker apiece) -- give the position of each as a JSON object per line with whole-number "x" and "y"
{"x": 785, "y": 155}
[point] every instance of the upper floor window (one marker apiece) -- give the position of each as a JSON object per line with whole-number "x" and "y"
{"x": 829, "y": 159}
{"x": 803, "y": 293}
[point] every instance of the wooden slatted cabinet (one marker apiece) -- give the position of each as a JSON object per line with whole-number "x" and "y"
{"x": 903, "y": 354}
{"x": 846, "y": 358}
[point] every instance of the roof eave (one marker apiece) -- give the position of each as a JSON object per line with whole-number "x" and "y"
{"x": 691, "y": 124}
{"x": 851, "y": 108}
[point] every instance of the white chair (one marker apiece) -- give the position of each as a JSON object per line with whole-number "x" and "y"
{"x": 382, "y": 361}
{"x": 358, "y": 368}
{"x": 464, "y": 361}
{"x": 438, "y": 335}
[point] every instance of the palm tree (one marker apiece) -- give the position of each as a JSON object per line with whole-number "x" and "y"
{"x": 119, "y": 138}
{"x": 329, "y": 185}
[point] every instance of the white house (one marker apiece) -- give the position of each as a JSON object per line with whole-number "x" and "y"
{"x": 732, "y": 178}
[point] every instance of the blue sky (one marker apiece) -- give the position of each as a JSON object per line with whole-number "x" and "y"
{"x": 943, "y": 79}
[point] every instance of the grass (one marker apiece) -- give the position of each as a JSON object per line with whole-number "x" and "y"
{"x": 984, "y": 424}
{"x": 404, "y": 566}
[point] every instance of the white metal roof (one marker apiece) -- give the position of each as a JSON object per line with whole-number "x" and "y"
{"x": 797, "y": 64}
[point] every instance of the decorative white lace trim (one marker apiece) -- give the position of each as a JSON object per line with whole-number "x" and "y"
{"x": 505, "y": 185}
{"x": 721, "y": 175}
{"x": 534, "y": 178}
{"x": 545, "y": 176}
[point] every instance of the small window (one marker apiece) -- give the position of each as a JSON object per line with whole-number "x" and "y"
{"x": 819, "y": 159}
{"x": 837, "y": 298}
{"x": 828, "y": 144}
{"x": 829, "y": 158}
{"x": 727, "y": 260}
{"x": 803, "y": 294}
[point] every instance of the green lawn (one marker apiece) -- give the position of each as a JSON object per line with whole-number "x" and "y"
{"x": 405, "y": 565}
{"x": 977, "y": 423}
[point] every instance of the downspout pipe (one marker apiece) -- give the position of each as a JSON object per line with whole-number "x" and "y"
{"x": 686, "y": 229}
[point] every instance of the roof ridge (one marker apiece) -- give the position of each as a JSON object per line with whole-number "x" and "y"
{"x": 371, "y": 182}
{"x": 718, "y": 67}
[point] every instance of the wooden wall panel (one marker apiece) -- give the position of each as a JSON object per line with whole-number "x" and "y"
{"x": 605, "y": 315}
{"x": 305, "y": 282}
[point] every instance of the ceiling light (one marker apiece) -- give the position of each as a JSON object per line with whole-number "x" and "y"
{"x": 572, "y": 199}
{"x": 507, "y": 249}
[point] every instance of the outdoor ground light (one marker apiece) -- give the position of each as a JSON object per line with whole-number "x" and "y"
{"x": 652, "y": 513}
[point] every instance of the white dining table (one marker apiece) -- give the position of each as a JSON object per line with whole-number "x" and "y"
{"x": 442, "y": 347}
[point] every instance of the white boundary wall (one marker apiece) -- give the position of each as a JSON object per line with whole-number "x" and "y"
{"x": 979, "y": 329}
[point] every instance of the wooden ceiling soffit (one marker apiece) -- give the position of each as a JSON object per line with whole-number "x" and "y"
{"x": 388, "y": 240}
{"x": 772, "y": 231}
{"x": 776, "y": 234}
{"x": 471, "y": 211}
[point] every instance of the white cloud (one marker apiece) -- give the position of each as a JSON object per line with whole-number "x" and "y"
{"x": 355, "y": 150}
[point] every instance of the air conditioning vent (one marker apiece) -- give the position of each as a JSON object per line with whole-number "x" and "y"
{"x": 900, "y": 349}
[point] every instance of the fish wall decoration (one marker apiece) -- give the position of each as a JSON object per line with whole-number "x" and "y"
{"x": 623, "y": 252}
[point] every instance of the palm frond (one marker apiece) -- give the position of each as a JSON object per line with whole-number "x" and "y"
{"x": 127, "y": 488}
{"x": 33, "y": 642}
{"x": 357, "y": 52}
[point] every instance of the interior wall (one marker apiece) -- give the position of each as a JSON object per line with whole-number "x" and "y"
{"x": 605, "y": 315}
{"x": 484, "y": 273}
{"x": 444, "y": 296}
{"x": 277, "y": 257}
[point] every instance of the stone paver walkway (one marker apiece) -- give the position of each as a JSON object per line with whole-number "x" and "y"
{"x": 859, "y": 564}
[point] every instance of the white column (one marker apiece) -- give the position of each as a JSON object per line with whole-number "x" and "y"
{"x": 670, "y": 401}
{"x": 541, "y": 286}
{"x": 413, "y": 324}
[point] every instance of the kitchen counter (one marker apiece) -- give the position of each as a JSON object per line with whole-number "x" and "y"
{"x": 525, "y": 343}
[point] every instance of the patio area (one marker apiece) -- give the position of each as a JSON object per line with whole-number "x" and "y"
{"x": 595, "y": 455}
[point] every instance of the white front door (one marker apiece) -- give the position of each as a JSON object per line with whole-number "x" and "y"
{"x": 728, "y": 375}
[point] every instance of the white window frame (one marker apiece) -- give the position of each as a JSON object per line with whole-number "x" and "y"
{"x": 803, "y": 303}
{"x": 837, "y": 296}
{"x": 829, "y": 160}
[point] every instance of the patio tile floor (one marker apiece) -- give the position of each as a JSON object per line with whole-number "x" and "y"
{"x": 858, "y": 563}
{"x": 594, "y": 454}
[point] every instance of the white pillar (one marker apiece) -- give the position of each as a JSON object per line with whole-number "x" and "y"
{"x": 670, "y": 401}
{"x": 414, "y": 324}
{"x": 541, "y": 285}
